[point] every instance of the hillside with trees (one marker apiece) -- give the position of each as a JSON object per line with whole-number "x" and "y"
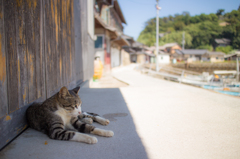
{"x": 200, "y": 30}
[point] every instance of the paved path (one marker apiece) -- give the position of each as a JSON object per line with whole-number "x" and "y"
{"x": 151, "y": 118}
{"x": 180, "y": 121}
{"x": 107, "y": 81}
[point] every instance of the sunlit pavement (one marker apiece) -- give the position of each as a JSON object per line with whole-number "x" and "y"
{"x": 180, "y": 121}
{"x": 151, "y": 118}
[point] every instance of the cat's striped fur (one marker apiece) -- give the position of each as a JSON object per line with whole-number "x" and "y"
{"x": 61, "y": 118}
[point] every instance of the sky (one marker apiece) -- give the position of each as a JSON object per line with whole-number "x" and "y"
{"x": 137, "y": 12}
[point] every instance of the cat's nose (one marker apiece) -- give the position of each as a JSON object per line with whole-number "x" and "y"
{"x": 79, "y": 112}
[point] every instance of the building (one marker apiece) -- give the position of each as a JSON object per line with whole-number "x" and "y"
{"x": 43, "y": 48}
{"x": 109, "y": 31}
{"x": 221, "y": 42}
{"x": 170, "y": 48}
{"x": 192, "y": 55}
{"x": 213, "y": 56}
{"x": 232, "y": 57}
{"x": 139, "y": 53}
{"x": 163, "y": 58}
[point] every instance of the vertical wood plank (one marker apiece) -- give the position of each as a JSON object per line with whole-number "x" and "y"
{"x": 78, "y": 42}
{"x": 12, "y": 60}
{"x": 69, "y": 42}
{"x": 53, "y": 69}
{"x": 42, "y": 51}
{"x": 22, "y": 53}
{"x": 72, "y": 36}
{"x": 3, "y": 64}
{"x": 33, "y": 48}
{"x": 84, "y": 38}
{"x": 48, "y": 50}
{"x": 64, "y": 41}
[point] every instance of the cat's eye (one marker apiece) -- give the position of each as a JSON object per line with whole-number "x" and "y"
{"x": 76, "y": 106}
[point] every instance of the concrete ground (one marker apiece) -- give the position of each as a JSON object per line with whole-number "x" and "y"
{"x": 107, "y": 81}
{"x": 151, "y": 118}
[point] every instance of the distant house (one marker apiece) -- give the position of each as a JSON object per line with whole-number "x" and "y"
{"x": 163, "y": 57}
{"x": 139, "y": 53}
{"x": 109, "y": 31}
{"x": 221, "y": 42}
{"x": 170, "y": 48}
{"x": 232, "y": 57}
{"x": 223, "y": 24}
{"x": 213, "y": 56}
{"x": 125, "y": 56}
{"x": 192, "y": 55}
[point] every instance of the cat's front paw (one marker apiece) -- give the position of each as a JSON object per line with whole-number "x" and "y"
{"x": 109, "y": 133}
{"x": 101, "y": 132}
{"x": 91, "y": 140}
{"x": 102, "y": 120}
{"x": 106, "y": 122}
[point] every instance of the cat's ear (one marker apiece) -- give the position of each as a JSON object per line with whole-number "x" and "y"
{"x": 76, "y": 90}
{"x": 63, "y": 92}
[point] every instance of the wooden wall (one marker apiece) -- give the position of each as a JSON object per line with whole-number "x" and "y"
{"x": 38, "y": 56}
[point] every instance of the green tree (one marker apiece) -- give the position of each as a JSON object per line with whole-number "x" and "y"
{"x": 236, "y": 42}
{"x": 220, "y": 12}
{"x": 179, "y": 25}
{"x": 203, "y": 33}
{"x": 226, "y": 49}
{"x": 177, "y": 37}
{"x": 207, "y": 47}
{"x": 203, "y": 29}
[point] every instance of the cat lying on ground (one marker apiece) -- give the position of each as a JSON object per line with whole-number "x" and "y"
{"x": 60, "y": 117}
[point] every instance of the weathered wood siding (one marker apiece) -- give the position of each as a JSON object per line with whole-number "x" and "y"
{"x": 38, "y": 56}
{"x": 3, "y": 61}
{"x": 59, "y": 44}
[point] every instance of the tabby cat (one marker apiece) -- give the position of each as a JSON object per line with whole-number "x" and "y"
{"x": 60, "y": 117}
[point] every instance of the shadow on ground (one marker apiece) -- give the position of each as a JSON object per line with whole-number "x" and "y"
{"x": 106, "y": 102}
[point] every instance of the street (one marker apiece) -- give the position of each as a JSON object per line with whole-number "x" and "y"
{"x": 151, "y": 118}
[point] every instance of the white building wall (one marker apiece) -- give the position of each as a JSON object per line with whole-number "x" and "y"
{"x": 164, "y": 59}
{"x": 115, "y": 57}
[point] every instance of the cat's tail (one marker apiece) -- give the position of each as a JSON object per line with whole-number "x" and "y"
{"x": 31, "y": 114}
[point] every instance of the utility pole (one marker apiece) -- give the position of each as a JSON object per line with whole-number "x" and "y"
{"x": 237, "y": 69}
{"x": 183, "y": 40}
{"x": 157, "y": 34}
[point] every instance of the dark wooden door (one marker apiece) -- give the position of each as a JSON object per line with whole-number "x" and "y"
{"x": 37, "y": 57}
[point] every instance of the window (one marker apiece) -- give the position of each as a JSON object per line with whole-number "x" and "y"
{"x": 99, "y": 41}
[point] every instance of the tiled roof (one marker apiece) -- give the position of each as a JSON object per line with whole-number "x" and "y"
{"x": 179, "y": 52}
{"x": 170, "y": 44}
{"x": 137, "y": 44}
{"x": 215, "y": 53}
{"x": 237, "y": 53}
{"x": 167, "y": 45}
{"x": 222, "y": 41}
{"x": 193, "y": 51}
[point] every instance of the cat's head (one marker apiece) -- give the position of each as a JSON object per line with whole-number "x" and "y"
{"x": 70, "y": 100}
